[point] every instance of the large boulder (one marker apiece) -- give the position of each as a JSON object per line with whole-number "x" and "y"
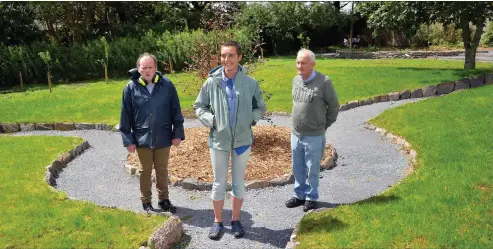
{"x": 44, "y": 126}
{"x": 462, "y": 84}
{"x": 405, "y": 94}
{"x": 445, "y": 87}
{"x": 417, "y": 93}
{"x": 429, "y": 91}
{"x": 477, "y": 81}
{"x": 9, "y": 128}
{"x": 169, "y": 234}
{"x": 488, "y": 80}
{"x": 64, "y": 126}
{"x": 394, "y": 96}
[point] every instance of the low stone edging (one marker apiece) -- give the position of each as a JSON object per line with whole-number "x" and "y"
{"x": 53, "y": 170}
{"x": 405, "y": 148}
{"x": 445, "y": 87}
{"x": 195, "y": 184}
{"x": 393, "y": 54}
{"x": 21, "y": 127}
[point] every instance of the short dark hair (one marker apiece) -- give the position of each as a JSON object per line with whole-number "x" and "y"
{"x": 233, "y": 44}
{"x": 146, "y": 54}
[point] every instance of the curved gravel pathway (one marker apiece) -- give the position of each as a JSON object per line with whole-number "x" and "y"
{"x": 367, "y": 165}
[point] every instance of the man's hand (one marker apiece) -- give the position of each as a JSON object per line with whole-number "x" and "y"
{"x": 176, "y": 141}
{"x": 131, "y": 148}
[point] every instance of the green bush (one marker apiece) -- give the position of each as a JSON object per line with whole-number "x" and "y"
{"x": 83, "y": 61}
{"x": 487, "y": 38}
{"x": 438, "y": 35}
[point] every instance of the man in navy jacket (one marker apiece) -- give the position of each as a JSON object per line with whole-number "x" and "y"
{"x": 151, "y": 121}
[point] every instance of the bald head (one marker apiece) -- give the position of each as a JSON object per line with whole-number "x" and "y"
{"x": 305, "y": 62}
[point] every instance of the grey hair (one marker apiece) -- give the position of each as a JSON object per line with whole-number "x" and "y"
{"x": 303, "y": 50}
{"x": 149, "y": 55}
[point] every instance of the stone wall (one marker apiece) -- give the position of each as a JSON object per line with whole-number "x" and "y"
{"x": 392, "y": 54}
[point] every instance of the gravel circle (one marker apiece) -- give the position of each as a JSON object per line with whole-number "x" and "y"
{"x": 367, "y": 165}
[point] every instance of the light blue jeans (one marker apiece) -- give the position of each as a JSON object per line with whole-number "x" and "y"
{"x": 220, "y": 161}
{"x": 306, "y": 154}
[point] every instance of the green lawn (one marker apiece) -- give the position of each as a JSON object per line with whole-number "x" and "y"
{"x": 99, "y": 102}
{"x": 35, "y": 216}
{"x": 446, "y": 203}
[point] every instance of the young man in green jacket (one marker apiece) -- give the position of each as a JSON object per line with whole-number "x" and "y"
{"x": 229, "y": 102}
{"x": 315, "y": 108}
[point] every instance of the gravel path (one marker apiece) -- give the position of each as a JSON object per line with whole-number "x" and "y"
{"x": 367, "y": 165}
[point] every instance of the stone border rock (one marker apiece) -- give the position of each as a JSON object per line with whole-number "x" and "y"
{"x": 53, "y": 170}
{"x": 393, "y": 54}
{"x": 167, "y": 235}
{"x": 195, "y": 184}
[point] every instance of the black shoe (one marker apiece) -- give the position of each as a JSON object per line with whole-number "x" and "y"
{"x": 294, "y": 202}
{"x": 216, "y": 231}
{"x": 147, "y": 207}
{"x": 237, "y": 229}
{"x": 166, "y": 206}
{"x": 309, "y": 205}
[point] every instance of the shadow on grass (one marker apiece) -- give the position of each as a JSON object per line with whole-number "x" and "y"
{"x": 381, "y": 199}
{"x": 323, "y": 221}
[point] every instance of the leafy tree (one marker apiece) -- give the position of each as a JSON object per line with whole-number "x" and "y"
{"x": 409, "y": 15}
{"x": 17, "y": 23}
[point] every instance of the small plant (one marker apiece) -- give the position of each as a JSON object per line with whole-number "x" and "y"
{"x": 45, "y": 56}
{"x": 305, "y": 41}
{"x": 104, "y": 61}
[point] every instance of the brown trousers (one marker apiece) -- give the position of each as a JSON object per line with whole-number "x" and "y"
{"x": 159, "y": 158}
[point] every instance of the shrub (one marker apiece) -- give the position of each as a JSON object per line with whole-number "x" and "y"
{"x": 83, "y": 61}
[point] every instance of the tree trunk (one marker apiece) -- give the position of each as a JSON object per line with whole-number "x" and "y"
{"x": 471, "y": 46}
{"x": 106, "y": 72}
{"x": 22, "y": 84}
{"x": 170, "y": 65}
{"x": 49, "y": 81}
{"x": 352, "y": 24}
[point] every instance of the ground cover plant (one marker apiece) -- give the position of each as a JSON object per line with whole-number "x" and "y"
{"x": 445, "y": 203}
{"x": 35, "y": 216}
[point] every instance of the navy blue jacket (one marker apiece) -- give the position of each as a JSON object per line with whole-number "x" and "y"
{"x": 150, "y": 120}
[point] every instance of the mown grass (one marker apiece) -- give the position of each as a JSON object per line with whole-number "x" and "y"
{"x": 35, "y": 216}
{"x": 446, "y": 203}
{"x": 99, "y": 102}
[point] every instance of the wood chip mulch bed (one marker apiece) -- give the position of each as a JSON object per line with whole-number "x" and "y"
{"x": 270, "y": 157}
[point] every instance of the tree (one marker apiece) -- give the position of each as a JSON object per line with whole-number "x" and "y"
{"x": 462, "y": 14}
{"x": 46, "y": 57}
{"x": 409, "y": 15}
{"x": 17, "y": 22}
